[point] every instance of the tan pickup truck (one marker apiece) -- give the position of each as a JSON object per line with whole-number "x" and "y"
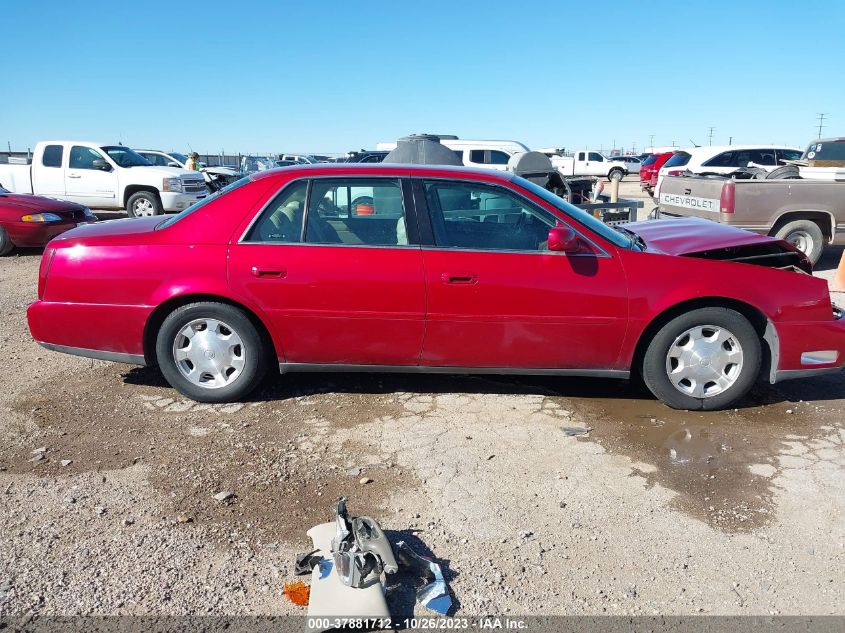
{"x": 807, "y": 213}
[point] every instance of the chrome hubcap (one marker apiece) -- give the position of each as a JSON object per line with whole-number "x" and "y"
{"x": 209, "y": 353}
{"x": 143, "y": 208}
{"x": 801, "y": 240}
{"x": 704, "y": 361}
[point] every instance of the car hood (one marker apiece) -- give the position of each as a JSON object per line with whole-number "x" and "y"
{"x": 686, "y": 236}
{"x": 36, "y": 204}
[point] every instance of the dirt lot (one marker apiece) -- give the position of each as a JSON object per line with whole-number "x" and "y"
{"x": 654, "y": 511}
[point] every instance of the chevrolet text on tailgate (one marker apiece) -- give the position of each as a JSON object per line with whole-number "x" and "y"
{"x": 412, "y": 268}
{"x": 807, "y": 213}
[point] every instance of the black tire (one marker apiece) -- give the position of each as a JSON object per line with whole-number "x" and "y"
{"x": 254, "y": 352}
{"x": 656, "y": 375}
{"x": 6, "y": 245}
{"x": 806, "y": 235}
{"x": 786, "y": 172}
{"x": 615, "y": 174}
{"x": 143, "y": 204}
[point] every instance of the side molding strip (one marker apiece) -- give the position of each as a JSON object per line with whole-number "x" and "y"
{"x": 286, "y": 368}
{"x": 115, "y": 357}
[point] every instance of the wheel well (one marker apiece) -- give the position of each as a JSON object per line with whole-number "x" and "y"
{"x": 754, "y": 316}
{"x": 131, "y": 190}
{"x": 821, "y": 218}
{"x": 160, "y": 314}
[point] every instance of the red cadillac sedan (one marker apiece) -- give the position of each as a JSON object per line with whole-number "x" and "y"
{"x": 385, "y": 267}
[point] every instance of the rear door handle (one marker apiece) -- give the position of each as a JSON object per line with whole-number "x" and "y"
{"x": 263, "y": 273}
{"x": 463, "y": 278}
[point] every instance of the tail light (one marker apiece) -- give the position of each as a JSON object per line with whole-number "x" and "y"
{"x": 43, "y": 270}
{"x": 727, "y": 199}
{"x": 675, "y": 172}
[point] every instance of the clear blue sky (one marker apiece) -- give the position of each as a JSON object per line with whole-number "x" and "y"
{"x": 330, "y": 76}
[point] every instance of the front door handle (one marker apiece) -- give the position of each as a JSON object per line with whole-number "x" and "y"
{"x": 263, "y": 273}
{"x": 74, "y": 176}
{"x": 462, "y": 278}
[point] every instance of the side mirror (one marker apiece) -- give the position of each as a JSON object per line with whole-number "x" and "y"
{"x": 173, "y": 164}
{"x": 101, "y": 164}
{"x": 563, "y": 239}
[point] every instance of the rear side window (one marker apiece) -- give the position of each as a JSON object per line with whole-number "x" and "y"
{"x": 281, "y": 220}
{"x": 788, "y": 154}
{"x": 650, "y": 160}
{"x": 356, "y": 212}
{"x": 679, "y": 159}
{"x": 488, "y": 157}
{"x": 52, "y": 156}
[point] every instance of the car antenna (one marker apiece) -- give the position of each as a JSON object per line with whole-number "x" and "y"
{"x": 694, "y": 144}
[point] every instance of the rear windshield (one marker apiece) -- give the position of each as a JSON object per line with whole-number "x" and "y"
{"x": 201, "y": 203}
{"x": 679, "y": 159}
{"x": 649, "y": 160}
{"x": 826, "y": 150}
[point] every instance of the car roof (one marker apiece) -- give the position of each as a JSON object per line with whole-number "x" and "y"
{"x": 341, "y": 169}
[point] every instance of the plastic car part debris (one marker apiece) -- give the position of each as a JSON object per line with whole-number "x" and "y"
{"x": 434, "y": 594}
{"x": 305, "y": 563}
{"x": 360, "y": 549}
{"x": 575, "y": 430}
{"x": 298, "y": 593}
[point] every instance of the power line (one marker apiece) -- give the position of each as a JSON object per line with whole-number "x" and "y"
{"x": 821, "y": 116}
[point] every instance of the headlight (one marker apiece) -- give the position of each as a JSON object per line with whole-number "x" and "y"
{"x": 172, "y": 184}
{"x": 41, "y": 217}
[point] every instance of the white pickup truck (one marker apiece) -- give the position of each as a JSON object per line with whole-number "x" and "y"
{"x": 586, "y": 163}
{"x": 102, "y": 176}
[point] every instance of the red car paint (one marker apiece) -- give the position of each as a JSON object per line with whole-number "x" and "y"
{"x": 34, "y": 234}
{"x": 648, "y": 172}
{"x": 106, "y": 286}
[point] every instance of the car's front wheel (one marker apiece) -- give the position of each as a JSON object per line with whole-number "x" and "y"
{"x": 143, "y": 204}
{"x": 703, "y": 360}
{"x": 6, "y": 245}
{"x": 616, "y": 174}
{"x": 211, "y": 352}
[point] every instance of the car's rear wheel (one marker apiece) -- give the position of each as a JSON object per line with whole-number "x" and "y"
{"x": 6, "y": 245}
{"x": 143, "y": 204}
{"x": 211, "y": 352}
{"x": 703, "y": 360}
{"x": 805, "y": 235}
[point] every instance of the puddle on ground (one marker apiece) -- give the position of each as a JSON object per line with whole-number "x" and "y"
{"x": 720, "y": 464}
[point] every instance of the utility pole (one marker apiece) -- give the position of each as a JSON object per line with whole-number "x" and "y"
{"x": 710, "y": 135}
{"x": 730, "y": 140}
{"x": 651, "y": 141}
{"x": 821, "y": 115}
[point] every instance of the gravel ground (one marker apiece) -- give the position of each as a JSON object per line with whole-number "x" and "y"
{"x": 652, "y": 511}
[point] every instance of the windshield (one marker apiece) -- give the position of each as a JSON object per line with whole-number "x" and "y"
{"x": 579, "y": 215}
{"x": 201, "y": 203}
{"x": 180, "y": 157}
{"x": 125, "y": 157}
{"x": 679, "y": 159}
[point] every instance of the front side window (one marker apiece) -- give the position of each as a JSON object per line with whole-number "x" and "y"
{"x": 52, "y": 156}
{"x": 788, "y": 154}
{"x": 498, "y": 158}
{"x": 595, "y": 156}
{"x": 356, "y": 211}
{"x": 83, "y": 157}
{"x": 482, "y": 217}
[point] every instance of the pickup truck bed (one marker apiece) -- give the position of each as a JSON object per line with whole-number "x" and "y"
{"x": 807, "y": 213}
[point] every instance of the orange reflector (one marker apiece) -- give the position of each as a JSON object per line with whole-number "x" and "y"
{"x": 298, "y": 593}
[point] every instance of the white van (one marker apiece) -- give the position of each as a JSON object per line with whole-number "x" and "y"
{"x": 485, "y": 153}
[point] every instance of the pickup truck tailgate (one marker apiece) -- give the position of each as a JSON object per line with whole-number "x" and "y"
{"x": 691, "y": 197}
